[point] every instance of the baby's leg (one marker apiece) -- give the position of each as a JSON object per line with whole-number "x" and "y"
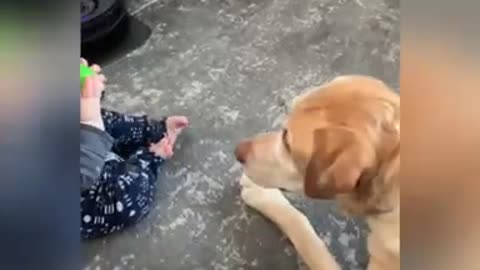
{"x": 132, "y": 132}
{"x": 122, "y": 197}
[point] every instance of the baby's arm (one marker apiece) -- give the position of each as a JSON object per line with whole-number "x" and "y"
{"x": 90, "y": 97}
{"x": 94, "y": 147}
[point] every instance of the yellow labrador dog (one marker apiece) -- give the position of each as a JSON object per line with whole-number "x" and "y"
{"x": 341, "y": 141}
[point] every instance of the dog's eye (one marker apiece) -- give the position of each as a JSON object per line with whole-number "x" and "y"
{"x": 285, "y": 140}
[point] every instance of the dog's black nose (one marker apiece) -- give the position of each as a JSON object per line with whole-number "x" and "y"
{"x": 242, "y": 151}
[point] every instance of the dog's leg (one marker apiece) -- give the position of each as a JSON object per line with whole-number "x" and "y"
{"x": 272, "y": 204}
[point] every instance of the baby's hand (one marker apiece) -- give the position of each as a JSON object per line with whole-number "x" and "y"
{"x": 94, "y": 67}
{"x": 90, "y": 99}
{"x": 99, "y": 81}
{"x": 93, "y": 87}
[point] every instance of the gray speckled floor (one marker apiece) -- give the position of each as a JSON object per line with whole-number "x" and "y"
{"x": 231, "y": 66}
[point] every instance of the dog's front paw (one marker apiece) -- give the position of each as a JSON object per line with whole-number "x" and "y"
{"x": 263, "y": 198}
{"x": 246, "y": 182}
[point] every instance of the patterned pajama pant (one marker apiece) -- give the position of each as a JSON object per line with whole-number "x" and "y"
{"x": 124, "y": 193}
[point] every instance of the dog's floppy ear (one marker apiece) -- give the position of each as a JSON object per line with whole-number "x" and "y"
{"x": 339, "y": 159}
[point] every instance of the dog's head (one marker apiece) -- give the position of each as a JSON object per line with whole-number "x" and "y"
{"x": 341, "y": 140}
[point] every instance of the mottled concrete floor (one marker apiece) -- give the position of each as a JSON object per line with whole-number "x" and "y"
{"x": 231, "y": 66}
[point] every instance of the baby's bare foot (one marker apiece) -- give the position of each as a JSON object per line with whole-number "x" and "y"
{"x": 175, "y": 125}
{"x": 163, "y": 148}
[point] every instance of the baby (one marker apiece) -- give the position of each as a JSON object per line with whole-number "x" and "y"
{"x": 119, "y": 158}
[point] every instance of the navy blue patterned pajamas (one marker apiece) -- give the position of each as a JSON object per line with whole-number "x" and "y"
{"x": 125, "y": 190}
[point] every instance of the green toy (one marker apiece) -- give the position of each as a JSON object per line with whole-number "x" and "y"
{"x": 85, "y": 71}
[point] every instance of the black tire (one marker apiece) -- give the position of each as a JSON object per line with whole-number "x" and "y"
{"x": 99, "y": 18}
